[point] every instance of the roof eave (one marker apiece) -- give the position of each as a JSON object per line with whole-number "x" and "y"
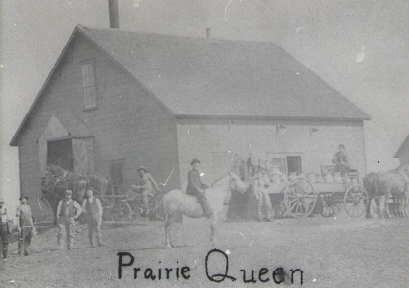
{"x": 14, "y": 140}
{"x": 367, "y": 117}
{"x": 401, "y": 147}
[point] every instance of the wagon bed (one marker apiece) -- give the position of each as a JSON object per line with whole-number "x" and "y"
{"x": 299, "y": 196}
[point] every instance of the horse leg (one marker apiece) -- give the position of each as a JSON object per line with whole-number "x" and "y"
{"x": 398, "y": 206}
{"x": 213, "y": 221}
{"x": 368, "y": 209}
{"x": 386, "y": 201}
{"x": 378, "y": 206}
{"x": 403, "y": 205}
{"x": 168, "y": 224}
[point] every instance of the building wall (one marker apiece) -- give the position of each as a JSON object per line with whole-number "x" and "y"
{"x": 210, "y": 139}
{"x": 128, "y": 125}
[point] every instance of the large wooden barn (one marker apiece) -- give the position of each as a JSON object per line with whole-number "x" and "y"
{"x": 116, "y": 100}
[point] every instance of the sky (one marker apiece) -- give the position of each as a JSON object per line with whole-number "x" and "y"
{"x": 360, "y": 48}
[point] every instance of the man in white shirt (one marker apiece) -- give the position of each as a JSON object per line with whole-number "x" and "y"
{"x": 93, "y": 208}
{"x": 25, "y": 226}
{"x": 68, "y": 211}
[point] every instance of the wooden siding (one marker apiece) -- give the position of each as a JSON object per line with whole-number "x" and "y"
{"x": 128, "y": 122}
{"x": 207, "y": 141}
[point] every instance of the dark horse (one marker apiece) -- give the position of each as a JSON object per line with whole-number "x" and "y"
{"x": 385, "y": 184}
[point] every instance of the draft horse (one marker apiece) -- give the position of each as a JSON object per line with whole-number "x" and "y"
{"x": 385, "y": 184}
{"x": 176, "y": 203}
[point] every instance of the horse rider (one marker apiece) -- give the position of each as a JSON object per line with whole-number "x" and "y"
{"x": 340, "y": 160}
{"x": 145, "y": 184}
{"x": 196, "y": 188}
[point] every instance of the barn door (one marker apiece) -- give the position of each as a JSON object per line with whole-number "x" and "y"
{"x": 59, "y": 152}
{"x": 83, "y": 154}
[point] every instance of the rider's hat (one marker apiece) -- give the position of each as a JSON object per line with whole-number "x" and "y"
{"x": 194, "y": 161}
{"x": 68, "y": 192}
{"x": 23, "y": 196}
{"x": 142, "y": 168}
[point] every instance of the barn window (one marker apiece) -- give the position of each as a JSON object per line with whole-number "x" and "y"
{"x": 116, "y": 175}
{"x": 88, "y": 84}
{"x": 294, "y": 164}
{"x": 284, "y": 163}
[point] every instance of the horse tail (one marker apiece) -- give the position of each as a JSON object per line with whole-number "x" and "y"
{"x": 109, "y": 190}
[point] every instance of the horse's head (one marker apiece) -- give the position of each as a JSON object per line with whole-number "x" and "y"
{"x": 236, "y": 184}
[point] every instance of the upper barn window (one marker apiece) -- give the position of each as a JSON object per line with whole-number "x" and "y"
{"x": 88, "y": 83}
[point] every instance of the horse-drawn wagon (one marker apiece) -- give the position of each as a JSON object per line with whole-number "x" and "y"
{"x": 301, "y": 196}
{"x": 115, "y": 202}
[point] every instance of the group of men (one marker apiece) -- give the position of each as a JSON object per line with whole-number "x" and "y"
{"x": 68, "y": 211}
{"x": 25, "y": 227}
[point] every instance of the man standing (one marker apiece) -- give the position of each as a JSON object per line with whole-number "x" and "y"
{"x": 5, "y": 230}
{"x": 25, "y": 226}
{"x": 93, "y": 208}
{"x": 196, "y": 188}
{"x": 145, "y": 183}
{"x": 68, "y": 211}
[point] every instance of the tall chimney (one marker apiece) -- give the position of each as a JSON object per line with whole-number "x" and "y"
{"x": 208, "y": 33}
{"x": 113, "y": 14}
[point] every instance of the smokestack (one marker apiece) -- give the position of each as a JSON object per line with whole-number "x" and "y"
{"x": 208, "y": 33}
{"x": 113, "y": 14}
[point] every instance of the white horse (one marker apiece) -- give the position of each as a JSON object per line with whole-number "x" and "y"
{"x": 176, "y": 203}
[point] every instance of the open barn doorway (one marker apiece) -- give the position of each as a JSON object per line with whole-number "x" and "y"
{"x": 59, "y": 152}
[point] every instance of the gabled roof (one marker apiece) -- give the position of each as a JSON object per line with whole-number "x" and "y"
{"x": 194, "y": 76}
{"x": 201, "y": 77}
{"x": 404, "y": 145}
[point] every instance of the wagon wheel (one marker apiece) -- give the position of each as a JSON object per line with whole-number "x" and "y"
{"x": 328, "y": 205}
{"x": 356, "y": 201}
{"x": 120, "y": 211}
{"x": 300, "y": 197}
{"x": 124, "y": 211}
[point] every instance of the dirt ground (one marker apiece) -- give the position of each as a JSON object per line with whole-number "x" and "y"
{"x": 332, "y": 252}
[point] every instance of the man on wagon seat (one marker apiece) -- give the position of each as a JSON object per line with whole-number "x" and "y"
{"x": 196, "y": 188}
{"x": 340, "y": 160}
